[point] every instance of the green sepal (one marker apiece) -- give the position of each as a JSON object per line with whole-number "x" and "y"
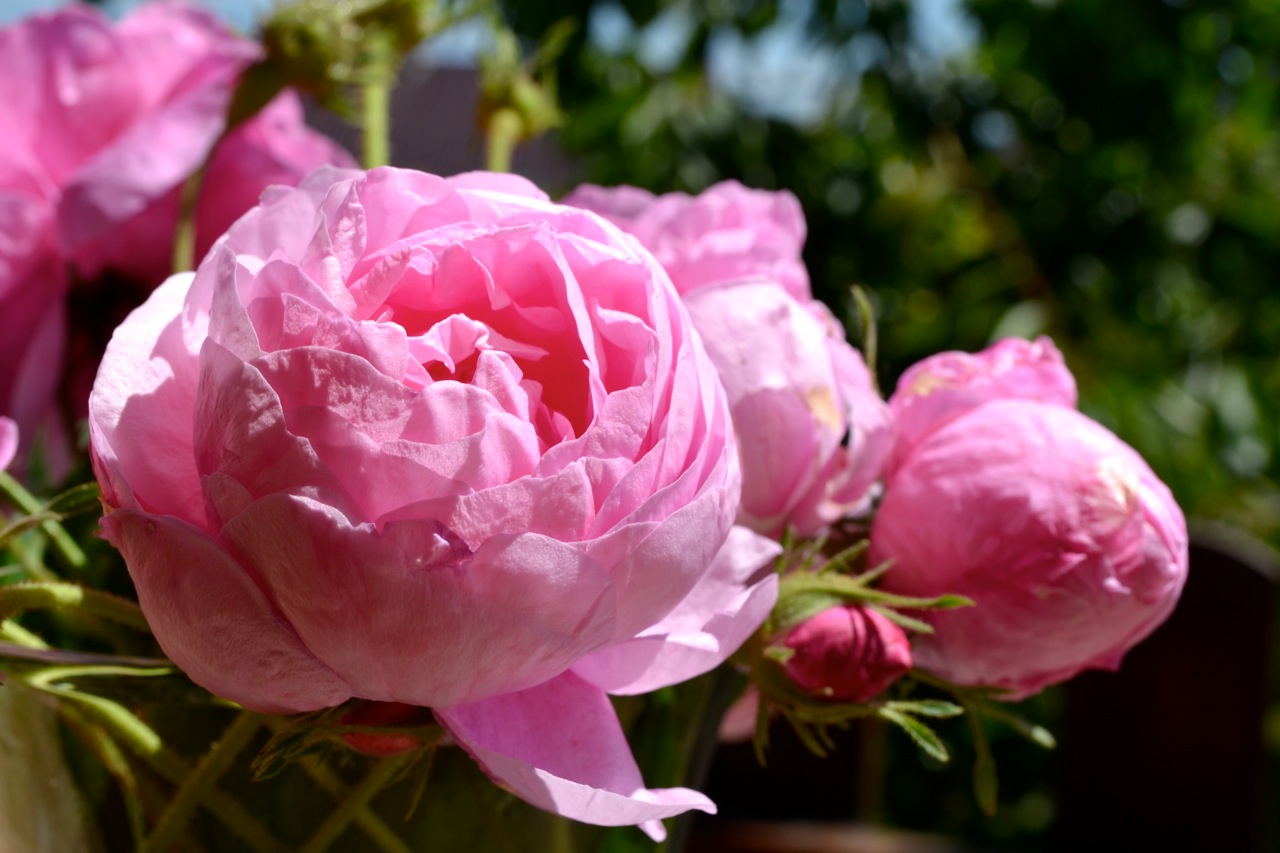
{"x": 76, "y": 500}
{"x": 924, "y": 736}
{"x": 938, "y": 709}
{"x": 316, "y": 731}
{"x": 866, "y": 329}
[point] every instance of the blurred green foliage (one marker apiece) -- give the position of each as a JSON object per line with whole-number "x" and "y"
{"x": 1105, "y": 173}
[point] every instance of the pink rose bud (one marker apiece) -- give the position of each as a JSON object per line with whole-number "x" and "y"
{"x": 383, "y": 714}
{"x": 1070, "y": 547}
{"x": 437, "y": 442}
{"x": 812, "y": 430}
{"x": 849, "y": 653}
{"x": 726, "y": 233}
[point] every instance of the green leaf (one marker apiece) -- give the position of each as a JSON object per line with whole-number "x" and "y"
{"x": 874, "y": 574}
{"x": 76, "y": 501}
{"x": 779, "y": 654}
{"x": 1037, "y": 734}
{"x": 842, "y": 563}
{"x": 866, "y": 329}
{"x": 935, "y": 708}
{"x": 908, "y": 622}
{"x": 924, "y": 736}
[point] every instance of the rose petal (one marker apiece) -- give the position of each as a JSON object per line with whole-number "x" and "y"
{"x": 722, "y": 610}
{"x": 142, "y": 406}
{"x": 560, "y": 747}
{"x": 213, "y": 621}
{"x": 411, "y": 615}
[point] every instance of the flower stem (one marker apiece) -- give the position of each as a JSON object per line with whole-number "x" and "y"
{"x": 381, "y": 835}
{"x": 200, "y": 782}
{"x": 66, "y": 547}
{"x": 375, "y": 102}
{"x": 383, "y": 772}
{"x": 504, "y": 134}
{"x": 101, "y": 745}
{"x": 18, "y": 597}
{"x": 184, "y": 235}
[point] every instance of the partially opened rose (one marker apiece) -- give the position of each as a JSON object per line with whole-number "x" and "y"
{"x": 436, "y": 442}
{"x": 812, "y": 430}
{"x": 1070, "y": 547}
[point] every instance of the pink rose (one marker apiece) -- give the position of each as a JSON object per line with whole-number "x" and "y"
{"x": 103, "y": 124}
{"x": 1071, "y": 548}
{"x": 848, "y": 654}
{"x": 812, "y": 430}
{"x": 8, "y": 442}
{"x": 725, "y": 233}
{"x": 948, "y": 384}
{"x": 436, "y": 442}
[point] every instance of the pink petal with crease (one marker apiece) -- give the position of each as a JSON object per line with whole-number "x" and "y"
{"x": 560, "y": 747}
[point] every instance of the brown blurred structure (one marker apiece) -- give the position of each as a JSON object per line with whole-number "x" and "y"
{"x": 1168, "y": 755}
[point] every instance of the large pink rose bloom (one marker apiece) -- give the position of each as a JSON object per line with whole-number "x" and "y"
{"x": 812, "y": 430}
{"x": 1070, "y": 547}
{"x": 436, "y": 442}
{"x": 103, "y": 123}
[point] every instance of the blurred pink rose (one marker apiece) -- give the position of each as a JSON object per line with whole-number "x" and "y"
{"x": 8, "y": 442}
{"x": 725, "y": 233}
{"x": 437, "y": 442}
{"x": 103, "y": 123}
{"x": 1071, "y": 548}
{"x": 849, "y": 653}
{"x": 812, "y": 430}
{"x": 33, "y": 325}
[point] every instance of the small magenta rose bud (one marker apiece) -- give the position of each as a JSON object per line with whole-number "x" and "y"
{"x": 393, "y": 714}
{"x": 848, "y": 653}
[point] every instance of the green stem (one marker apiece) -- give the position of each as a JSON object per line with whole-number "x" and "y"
{"x": 115, "y": 763}
{"x": 66, "y": 547}
{"x": 57, "y": 595}
{"x": 200, "y": 782}
{"x": 184, "y": 235}
{"x": 30, "y": 563}
{"x": 504, "y": 135}
{"x": 146, "y": 744}
{"x": 338, "y": 820}
{"x": 15, "y": 633}
{"x": 381, "y": 835}
{"x": 375, "y": 102}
